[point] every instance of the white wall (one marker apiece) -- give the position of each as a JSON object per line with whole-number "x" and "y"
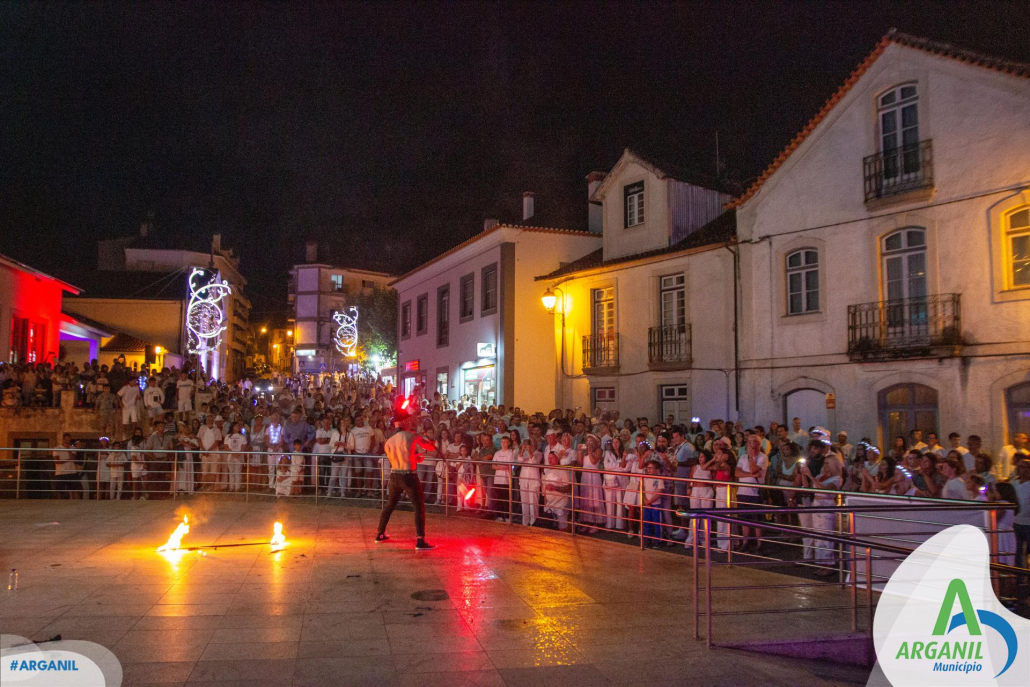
{"x": 979, "y": 123}
{"x": 654, "y": 232}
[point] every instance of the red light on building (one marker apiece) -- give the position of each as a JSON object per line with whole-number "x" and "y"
{"x": 411, "y": 366}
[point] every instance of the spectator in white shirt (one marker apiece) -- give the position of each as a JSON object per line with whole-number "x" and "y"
{"x": 798, "y": 435}
{"x": 952, "y": 467}
{"x": 326, "y": 438}
{"x": 237, "y": 443}
{"x": 751, "y": 469}
{"x": 153, "y": 399}
{"x": 210, "y": 438}
{"x": 955, "y": 439}
{"x": 128, "y": 396}
{"x": 1005, "y": 462}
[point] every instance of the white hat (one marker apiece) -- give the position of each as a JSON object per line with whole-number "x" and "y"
{"x": 820, "y": 434}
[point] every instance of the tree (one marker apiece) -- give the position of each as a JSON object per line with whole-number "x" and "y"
{"x": 377, "y": 326}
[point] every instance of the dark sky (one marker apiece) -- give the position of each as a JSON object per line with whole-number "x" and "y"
{"x": 389, "y": 131}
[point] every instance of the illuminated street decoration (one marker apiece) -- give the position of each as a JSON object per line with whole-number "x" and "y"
{"x": 205, "y": 316}
{"x": 346, "y": 338}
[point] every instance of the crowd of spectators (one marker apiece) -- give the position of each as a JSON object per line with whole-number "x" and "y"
{"x": 175, "y": 430}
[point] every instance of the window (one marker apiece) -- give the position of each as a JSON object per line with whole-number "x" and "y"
{"x": 905, "y": 407}
{"x": 604, "y": 310}
{"x": 803, "y": 281}
{"x": 443, "y": 315}
{"x": 406, "y": 320}
{"x": 604, "y": 398}
{"x": 1017, "y": 227}
{"x": 489, "y": 289}
{"x": 467, "y": 307}
{"x": 675, "y": 400}
{"x": 441, "y": 383}
{"x": 28, "y": 341}
{"x": 904, "y": 276}
{"x": 633, "y": 197}
{"x": 898, "y": 111}
{"x": 673, "y": 301}
{"x": 337, "y": 281}
{"x": 422, "y": 314}
{"x": 367, "y": 284}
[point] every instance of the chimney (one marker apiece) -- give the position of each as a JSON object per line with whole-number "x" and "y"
{"x": 144, "y": 227}
{"x": 527, "y": 205}
{"x": 490, "y": 223}
{"x": 216, "y": 243}
{"x": 311, "y": 251}
{"x": 595, "y": 218}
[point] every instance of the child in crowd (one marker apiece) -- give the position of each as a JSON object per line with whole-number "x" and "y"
{"x": 115, "y": 460}
{"x": 138, "y": 466}
{"x": 654, "y": 488}
{"x": 236, "y": 442}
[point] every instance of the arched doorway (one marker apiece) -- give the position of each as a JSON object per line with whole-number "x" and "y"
{"x": 807, "y": 404}
{"x": 904, "y": 407}
{"x": 1017, "y": 407}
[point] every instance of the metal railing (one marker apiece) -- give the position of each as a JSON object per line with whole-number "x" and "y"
{"x": 669, "y": 344}
{"x": 905, "y": 327}
{"x": 848, "y": 544}
{"x": 898, "y": 170}
{"x": 600, "y": 350}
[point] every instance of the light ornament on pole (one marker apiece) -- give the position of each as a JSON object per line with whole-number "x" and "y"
{"x": 205, "y": 315}
{"x": 346, "y": 338}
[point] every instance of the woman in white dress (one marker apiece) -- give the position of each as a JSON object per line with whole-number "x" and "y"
{"x": 701, "y": 495}
{"x": 615, "y": 466}
{"x": 830, "y": 478}
{"x": 631, "y": 496}
{"x": 529, "y": 460}
{"x": 591, "y": 491}
{"x": 187, "y": 441}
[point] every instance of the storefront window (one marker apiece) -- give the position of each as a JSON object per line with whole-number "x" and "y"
{"x": 479, "y": 386}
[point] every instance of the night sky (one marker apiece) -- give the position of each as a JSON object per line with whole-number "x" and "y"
{"x": 389, "y": 131}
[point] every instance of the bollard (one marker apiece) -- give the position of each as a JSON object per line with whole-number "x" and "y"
{"x": 640, "y": 510}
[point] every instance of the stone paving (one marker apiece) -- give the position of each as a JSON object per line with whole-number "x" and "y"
{"x": 492, "y": 605}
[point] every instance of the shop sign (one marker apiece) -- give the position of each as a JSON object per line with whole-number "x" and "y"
{"x": 486, "y": 350}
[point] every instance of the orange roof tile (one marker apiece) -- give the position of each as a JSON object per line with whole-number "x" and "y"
{"x": 939, "y": 48}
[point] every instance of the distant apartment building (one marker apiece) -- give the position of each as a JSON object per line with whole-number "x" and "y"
{"x": 317, "y": 292}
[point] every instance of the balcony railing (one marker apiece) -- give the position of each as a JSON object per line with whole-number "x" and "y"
{"x": 601, "y": 351}
{"x": 906, "y": 327}
{"x": 669, "y": 345}
{"x": 898, "y": 170}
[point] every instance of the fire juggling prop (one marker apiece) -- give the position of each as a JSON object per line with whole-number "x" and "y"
{"x": 172, "y": 545}
{"x": 278, "y": 541}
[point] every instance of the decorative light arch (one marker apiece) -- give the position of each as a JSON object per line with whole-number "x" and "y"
{"x": 205, "y": 314}
{"x": 346, "y": 338}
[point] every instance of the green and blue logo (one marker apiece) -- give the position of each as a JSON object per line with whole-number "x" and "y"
{"x": 958, "y": 655}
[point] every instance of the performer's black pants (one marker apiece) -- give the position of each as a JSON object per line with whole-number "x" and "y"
{"x": 405, "y": 483}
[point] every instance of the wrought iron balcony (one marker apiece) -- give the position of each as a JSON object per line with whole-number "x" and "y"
{"x": 898, "y": 170}
{"x": 905, "y": 328}
{"x": 668, "y": 347}
{"x": 600, "y": 351}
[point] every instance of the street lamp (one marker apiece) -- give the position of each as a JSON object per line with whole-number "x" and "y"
{"x": 264, "y": 330}
{"x": 549, "y": 300}
{"x": 289, "y": 332}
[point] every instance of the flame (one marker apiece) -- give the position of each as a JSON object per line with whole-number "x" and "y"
{"x": 278, "y": 538}
{"x": 466, "y": 492}
{"x": 173, "y": 541}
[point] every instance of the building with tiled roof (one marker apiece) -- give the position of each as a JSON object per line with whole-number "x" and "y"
{"x": 885, "y": 254}
{"x": 643, "y": 324}
{"x": 471, "y": 326}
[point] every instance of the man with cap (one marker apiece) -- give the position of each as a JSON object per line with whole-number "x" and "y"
{"x": 404, "y": 478}
{"x": 818, "y": 453}
{"x": 846, "y": 450}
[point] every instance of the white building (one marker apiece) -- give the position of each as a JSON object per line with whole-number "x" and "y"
{"x": 644, "y": 324}
{"x": 470, "y": 320}
{"x": 317, "y": 292}
{"x": 885, "y": 254}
